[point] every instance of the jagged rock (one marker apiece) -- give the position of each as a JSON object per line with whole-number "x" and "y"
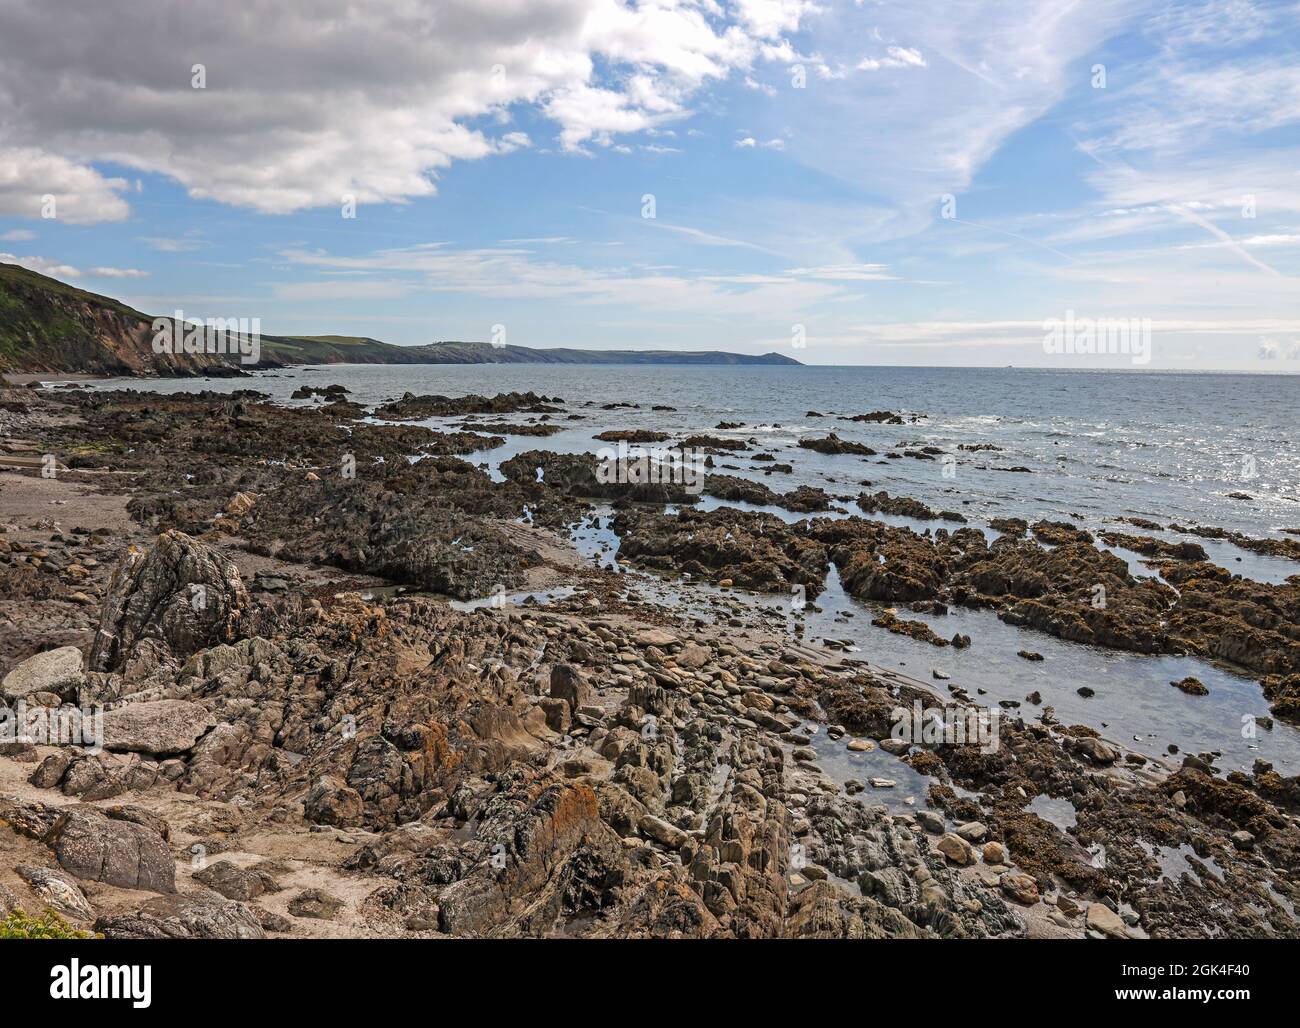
{"x": 182, "y": 594}
{"x": 568, "y": 684}
{"x": 330, "y": 802}
{"x": 191, "y": 916}
{"x": 58, "y": 890}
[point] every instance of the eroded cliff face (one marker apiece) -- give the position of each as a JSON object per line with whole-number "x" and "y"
{"x": 67, "y": 331}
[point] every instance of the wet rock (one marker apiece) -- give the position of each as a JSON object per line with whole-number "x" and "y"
{"x": 1094, "y": 749}
{"x": 833, "y": 444}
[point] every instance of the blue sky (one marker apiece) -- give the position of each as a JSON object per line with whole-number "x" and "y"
{"x": 1117, "y": 160}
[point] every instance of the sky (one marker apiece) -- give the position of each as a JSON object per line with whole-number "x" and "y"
{"x": 930, "y": 183}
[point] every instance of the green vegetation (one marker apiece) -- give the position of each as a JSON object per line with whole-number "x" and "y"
{"x": 48, "y": 325}
{"x": 49, "y": 926}
{"x": 13, "y": 276}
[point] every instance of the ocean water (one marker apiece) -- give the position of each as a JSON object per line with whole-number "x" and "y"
{"x": 1099, "y": 445}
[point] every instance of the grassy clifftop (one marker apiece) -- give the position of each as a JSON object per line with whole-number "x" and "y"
{"x": 49, "y": 326}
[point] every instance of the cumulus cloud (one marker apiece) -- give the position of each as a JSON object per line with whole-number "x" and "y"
{"x": 307, "y": 103}
{"x": 58, "y": 269}
{"x": 45, "y": 266}
{"x": 37, "y": 184}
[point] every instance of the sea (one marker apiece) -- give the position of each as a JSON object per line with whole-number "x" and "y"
{"x": 1084, "y": 446}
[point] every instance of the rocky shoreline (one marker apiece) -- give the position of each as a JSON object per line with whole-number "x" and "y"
{"x": 304, "y": 735}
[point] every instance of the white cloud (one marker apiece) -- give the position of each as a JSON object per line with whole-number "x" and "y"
{"x": 307, "y": 103}
{"x": 896, "y": 57}
{"x": 516, "y": 275}
{"x": 18, "y": 235}
{"x": 30, "y": 176}
{"x": 118, "y": 273}
{"x": 45, "y": 266}
{"x": 58, "y": 269}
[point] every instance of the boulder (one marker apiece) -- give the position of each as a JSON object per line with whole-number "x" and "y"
{"x": 930, "y": 820}
{"x": 193, "y": 916}
{"x": 1019, "y": 887}
{"x": 567, "y": 683}
{"x": 956, "y": 849}
{"x": 160, "y": 727}
{"x": 54, "y": 671}
{"x": 655, "y": 637}
{"x": 693, "y": 656}
{"x": 1103, "y": 919}
{"x": 330, "y": 802}
{"x": 98, "y": 849}
{"x": 661, "y": 831}
{"x": 1095, "y": 750}
{"x": 234, "y": 882}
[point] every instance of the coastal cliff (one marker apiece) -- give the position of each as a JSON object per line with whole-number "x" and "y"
{"x": 49, "y": 326}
